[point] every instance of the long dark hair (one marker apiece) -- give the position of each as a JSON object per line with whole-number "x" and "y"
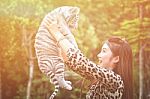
{"x": 122, "y": 49}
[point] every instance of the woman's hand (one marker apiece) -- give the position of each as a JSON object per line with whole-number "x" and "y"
{"x": 52, "y": 26}
{"x": 63, "y": 27}
{"x": 57, "y": 25}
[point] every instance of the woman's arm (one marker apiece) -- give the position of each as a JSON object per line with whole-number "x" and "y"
{"x": 86, "y": 68}
{"x": 61, "y": 33}
{"x": 80, "y": 64}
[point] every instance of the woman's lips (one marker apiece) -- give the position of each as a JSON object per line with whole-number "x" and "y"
{"x": 100, "y": 61}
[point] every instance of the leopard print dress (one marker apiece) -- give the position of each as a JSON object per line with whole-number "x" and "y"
{"x": 109, "y": 85}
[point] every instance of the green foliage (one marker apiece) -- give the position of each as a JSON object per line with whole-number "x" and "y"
{"x": 88, "y": 35}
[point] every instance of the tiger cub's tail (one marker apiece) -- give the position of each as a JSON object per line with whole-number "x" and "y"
{"x": 55, "y": 92}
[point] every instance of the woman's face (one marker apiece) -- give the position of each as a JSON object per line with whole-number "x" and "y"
{"x": 105, "y": 57}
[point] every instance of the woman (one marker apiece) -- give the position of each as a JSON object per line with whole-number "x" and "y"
{"x": 113, "y": 75}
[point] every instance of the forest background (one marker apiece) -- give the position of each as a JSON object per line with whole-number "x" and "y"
{"x": 20, "y": 77}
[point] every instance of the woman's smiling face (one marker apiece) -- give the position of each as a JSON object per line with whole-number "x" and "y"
{"x": 105, "y": 56}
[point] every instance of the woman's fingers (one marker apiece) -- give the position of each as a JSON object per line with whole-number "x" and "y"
{"x": 63, "y": 27}
{"x": 61, "y": 19}
{"x": 52, "y": 27}
{"x": 57, "y": 25}
{"x": 51, "y": 19}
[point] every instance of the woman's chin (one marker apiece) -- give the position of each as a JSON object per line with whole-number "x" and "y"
{"x": 100, "y": 64}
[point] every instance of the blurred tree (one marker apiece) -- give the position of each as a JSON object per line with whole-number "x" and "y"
{"x": 136, "y": 30}
{"x": 27, "y": 42}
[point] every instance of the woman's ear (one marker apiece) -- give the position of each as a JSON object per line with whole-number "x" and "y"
{"x": 115, "y": 59}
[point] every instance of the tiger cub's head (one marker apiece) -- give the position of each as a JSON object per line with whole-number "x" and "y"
{"x": 71, "y": 16}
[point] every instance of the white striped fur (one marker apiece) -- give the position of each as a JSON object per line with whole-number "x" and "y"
{"x": 47, "y": 51}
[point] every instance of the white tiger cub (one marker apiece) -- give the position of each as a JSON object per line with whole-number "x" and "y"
{"x": 48, "y": 52}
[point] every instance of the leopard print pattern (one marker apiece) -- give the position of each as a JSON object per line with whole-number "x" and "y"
{"x": 109, "y": 85}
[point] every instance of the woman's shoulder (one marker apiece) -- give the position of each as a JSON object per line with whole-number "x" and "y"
{"x": 101, "y": 90}
{"x": 111, "y": 77}
{"x": 110, "y": 86}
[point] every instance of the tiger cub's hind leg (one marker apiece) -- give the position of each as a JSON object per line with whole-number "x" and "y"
{"x": 63, "y": 83}
{"x": 59, "y": 74}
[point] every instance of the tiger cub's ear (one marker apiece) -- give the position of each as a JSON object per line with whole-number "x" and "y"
{"x": 74, "y": 10}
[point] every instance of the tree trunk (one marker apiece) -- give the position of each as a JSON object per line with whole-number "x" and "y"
{"x": 27, "y": 43}
{"x": 140, "y": 7}
{"x": 31, "y": 65}
{"x": 141, "y": 73}
{"x": 142, "y": 45}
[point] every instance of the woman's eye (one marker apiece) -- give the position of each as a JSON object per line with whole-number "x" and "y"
{"x": 103, "y": 51}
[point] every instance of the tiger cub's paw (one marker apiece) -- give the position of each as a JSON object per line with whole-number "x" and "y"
{"x": 69, "y": 82}
{"x": 68, "y": 85}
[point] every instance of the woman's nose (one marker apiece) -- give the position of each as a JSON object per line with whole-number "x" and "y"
{"x": 98, "y": 55}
